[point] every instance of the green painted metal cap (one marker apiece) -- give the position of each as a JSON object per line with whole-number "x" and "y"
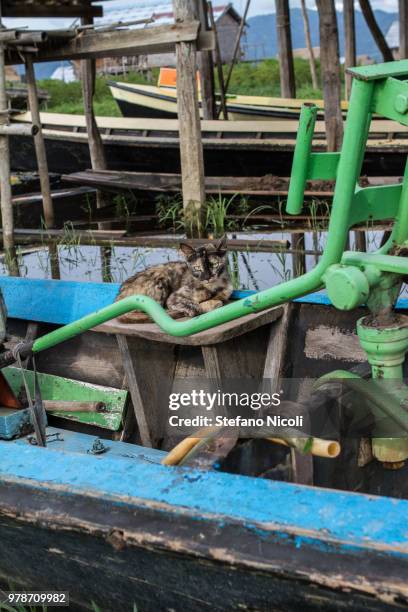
{"x": 347, "y": 286}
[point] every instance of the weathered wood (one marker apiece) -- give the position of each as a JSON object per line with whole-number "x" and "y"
{"x": 375, "y": 30}
{"x": 5, "y": 186}
{"x": 191, "y": 148}
{"x": 49, "y": 9}
{"x": 206, "y": 68}
{"x": 212, "y": 363}
{"x": 298, "y": 257}
{"x": 134, "y": 391}
{"x": 330, "y": 65}
{"x": 237, "y": 44}
{"x": 220, "y": 73}
{"x": 96, "y": 148}
{"x": 210, "y": 337}
{"x": 48, "y": 206}
{"x": 286, "y": 66}
{"x": 350, "y": 41}
{"x": 403, "y": 29}
{"x": 312, "y": 60}
{"x": 139, "y": 41}
{"x": 277, "y": 346}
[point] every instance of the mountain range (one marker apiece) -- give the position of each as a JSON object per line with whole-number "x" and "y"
{"x": 261, "y": 41}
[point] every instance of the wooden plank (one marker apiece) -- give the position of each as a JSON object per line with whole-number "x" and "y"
{"x": 62, "y": 388}
{"x": 134, "y": 391}
{"x": 350, "y": 40}
{"x": 47, "y": 9}
{"x": 140, "y": 41}
{"x": 216, "y": 335}
{"x": 288, "y": 126}
{"x": 212, "y": 363}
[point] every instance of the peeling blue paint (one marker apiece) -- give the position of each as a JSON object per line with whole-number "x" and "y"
{"x": 354, "y": 520}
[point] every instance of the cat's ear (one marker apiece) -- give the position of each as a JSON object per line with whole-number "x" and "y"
{"x": 222, "y": 244}
{"x": 186, "y": 249}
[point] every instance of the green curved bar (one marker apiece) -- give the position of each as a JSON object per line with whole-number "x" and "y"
{"x": 349, "y": 168}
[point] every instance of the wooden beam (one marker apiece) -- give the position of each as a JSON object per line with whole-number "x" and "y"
{"x": 206, "y": 66}
{"x": 140, "y": 41}
{"x": 375, "y": 30}
{"x": 191, "y": 147}
{"x": 5, "y": 185}
{"x": 330, "y": 66}
{"x": 287, "y": 70}
{"x": 41, "y": 9}
{"x": 350, "y": 41}
{"x": 403, "y": 26}
{"x": 312, "y": 60}
{"x": 217, "y": 54}
{"x": 42, "y": 164}
{"x": 96, "y": 147}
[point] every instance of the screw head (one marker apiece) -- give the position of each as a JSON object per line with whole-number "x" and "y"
{"x": 401, "y": 103}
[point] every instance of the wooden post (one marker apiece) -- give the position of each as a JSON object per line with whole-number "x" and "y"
{"x": 48, "y": 207}
{"x": 376, "y": 30}
{"x": 287, "y": 69}
{"x": 217, "y": 52}
{"x": 350, "y": 40}
{"x": 5, "y": 185}
{"x": 312, "y": 61}
{"x": 330, "y": 66}
{"x": 403, "y": 25}
{"x": 191, "y": 147}
{"x": 206, "y": 68}
{"x": 237, "y": 44}
{"x": 96, "y": 148}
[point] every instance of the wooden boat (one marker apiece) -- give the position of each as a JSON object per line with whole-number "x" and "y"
{"x": 161, "y": 102}
{"x": 119, "y": 528}
{"x": 239, "y": 148}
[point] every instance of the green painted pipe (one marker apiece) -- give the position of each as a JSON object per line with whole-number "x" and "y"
{"x": 301, "y": 159}
{"x": 386, "y": 263}
{"x": 347, "y": 174}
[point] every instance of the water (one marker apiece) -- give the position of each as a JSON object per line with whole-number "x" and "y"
{"x": 252, "y": 270}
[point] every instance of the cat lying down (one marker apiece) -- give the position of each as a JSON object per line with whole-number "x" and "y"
{"x": 185, "y": 288}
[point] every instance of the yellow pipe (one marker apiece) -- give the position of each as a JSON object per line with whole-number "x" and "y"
{"x": 330, "y": 449}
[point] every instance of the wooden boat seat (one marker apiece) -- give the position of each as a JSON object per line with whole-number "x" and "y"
{"x": 216, "y": 335}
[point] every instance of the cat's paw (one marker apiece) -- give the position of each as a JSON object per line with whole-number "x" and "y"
{"x": 210, "y": 305}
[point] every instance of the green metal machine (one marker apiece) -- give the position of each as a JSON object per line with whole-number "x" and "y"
{"x": 350, "y": 278}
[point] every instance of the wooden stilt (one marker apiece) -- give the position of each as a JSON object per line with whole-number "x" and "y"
{"x": 287, "y": 69}
{"x": 221, "y": 84}
{"x": 403, "y": 34}
{"x": 5, "y": 186}
{"x": 312, "y": 60}
{"x": 298, "y": 257}
{"x": 206, "y": 67}
{"x": 48, "y": 207}
{"x": 329, "y": 61}
{"x": 191, "y": 147}
{"x": 375, "y": 30}
{"x": 96, "y": 148}
{"x": 350, "y": 40}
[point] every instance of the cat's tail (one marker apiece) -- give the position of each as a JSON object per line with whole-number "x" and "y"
{"x": 134, "y": 317}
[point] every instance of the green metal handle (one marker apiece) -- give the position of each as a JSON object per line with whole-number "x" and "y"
{"x": 348, "y": 171}
{"x": 301, "y": 159}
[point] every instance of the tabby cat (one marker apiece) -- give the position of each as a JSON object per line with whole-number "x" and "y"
{"x": 185, "y": 288}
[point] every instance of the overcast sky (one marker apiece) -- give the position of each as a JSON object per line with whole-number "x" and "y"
{"x": 258, "y": 7}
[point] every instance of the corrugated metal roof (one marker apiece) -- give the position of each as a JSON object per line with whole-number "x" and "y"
{"x": 162, "y": 12}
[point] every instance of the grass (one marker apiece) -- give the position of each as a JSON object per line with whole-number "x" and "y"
{"x": 261, "y": 79}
